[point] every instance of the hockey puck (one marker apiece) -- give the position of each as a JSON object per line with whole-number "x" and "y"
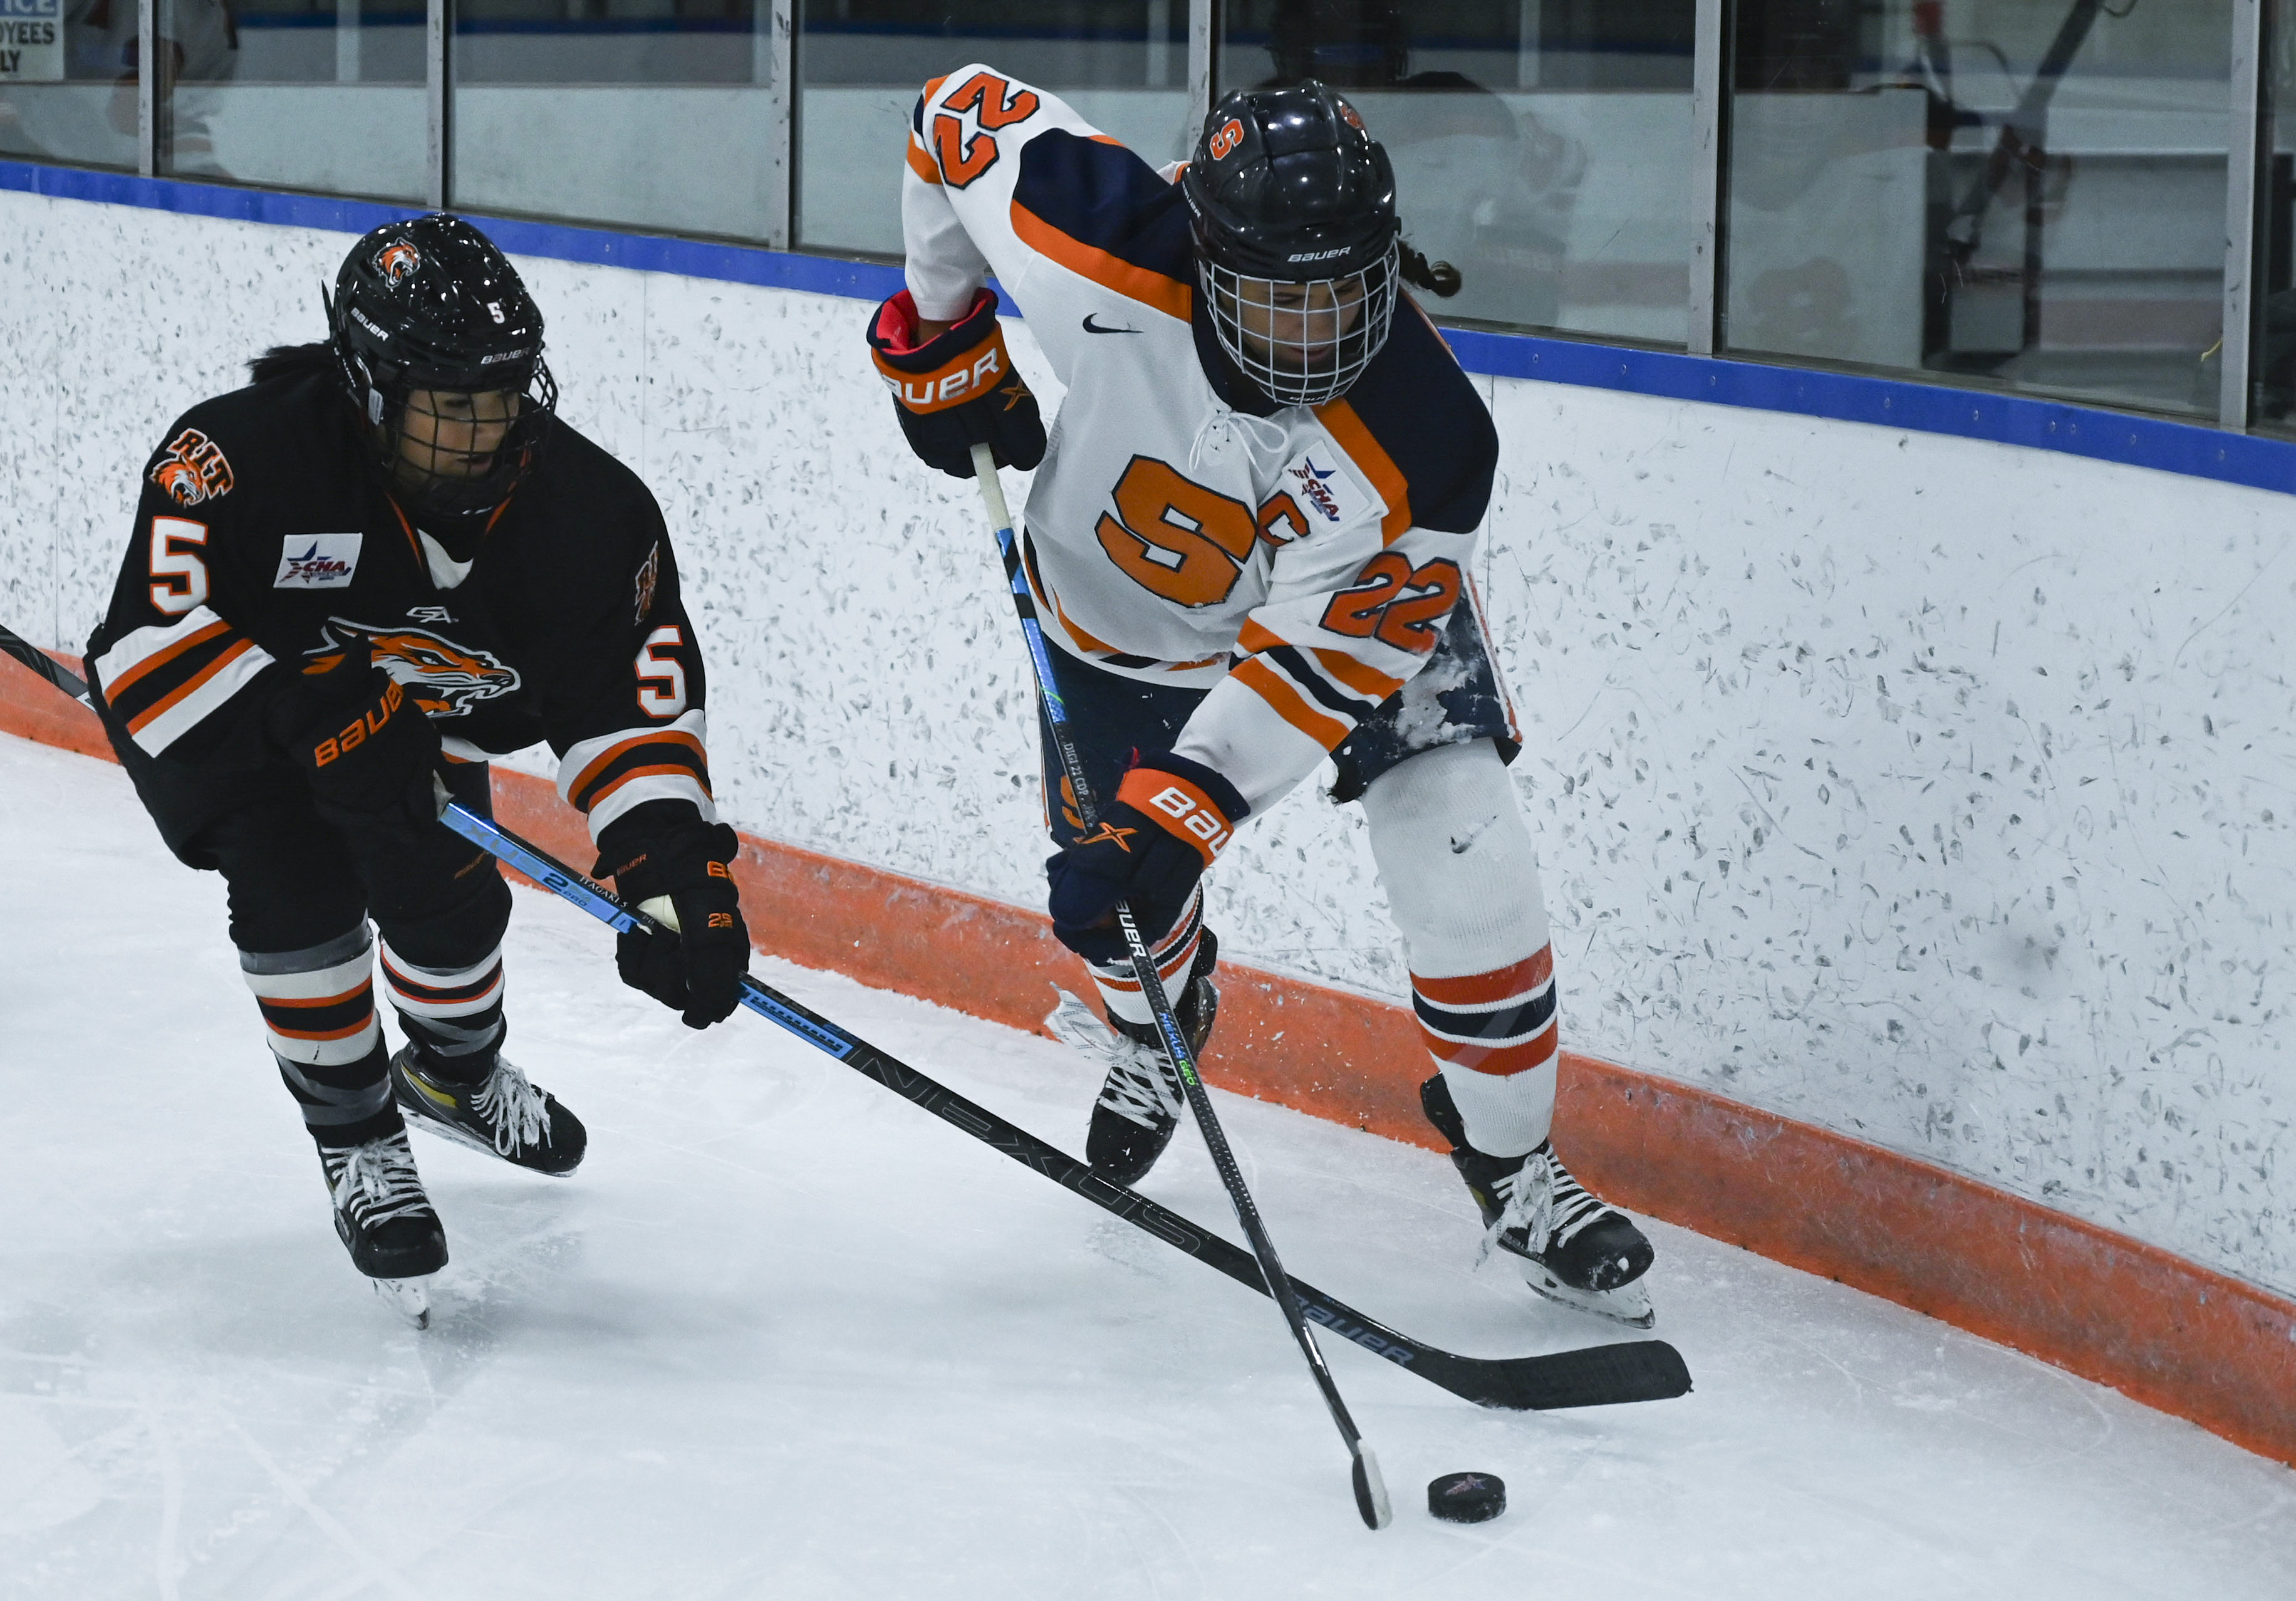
{"x": 1467, "y": 1497}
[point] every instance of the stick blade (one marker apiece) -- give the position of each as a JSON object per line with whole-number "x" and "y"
{"x": 1371, "y": 1490}
{"x": 1596, "y": 1375}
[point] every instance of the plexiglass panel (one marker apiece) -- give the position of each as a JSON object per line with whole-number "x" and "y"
{"x": 325, "y": 95}
{"x": 2028, "y": 192}
{"x": 2272, "y": 362}
{"x": 1540, "y": 147}
{"x": 1122, "y": 64}
{"x": 68, "y": 81}
{"x": 655, "y": 114}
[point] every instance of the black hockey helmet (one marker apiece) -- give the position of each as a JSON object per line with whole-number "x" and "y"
{"x": 1287, "y": 188}
{"x": 430, "y": 305}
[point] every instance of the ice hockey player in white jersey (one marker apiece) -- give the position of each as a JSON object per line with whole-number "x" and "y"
{"x": 1248, "y": 543}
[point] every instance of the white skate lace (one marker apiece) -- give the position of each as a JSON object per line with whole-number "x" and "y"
{"x": 517, "y": 1114}
{"x": 376, "y": 1182}
{"x": 1138, "y": 1085}
{"x": 1545, "y": 1201}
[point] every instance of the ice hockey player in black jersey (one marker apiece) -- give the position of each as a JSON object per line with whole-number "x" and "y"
{"x": 349, "y": 584}
{"x": 1249, "y": 545}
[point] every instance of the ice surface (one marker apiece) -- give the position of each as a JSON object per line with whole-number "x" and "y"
{"x": 786, "y": 1335}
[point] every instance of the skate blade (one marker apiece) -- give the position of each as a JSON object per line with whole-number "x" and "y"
{"x": 1629, "y": 1303}
{"x": 407, "y": 1297}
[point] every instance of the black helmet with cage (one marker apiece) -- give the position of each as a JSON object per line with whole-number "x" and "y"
{"x": 430, "y": 308}
{"x": 1297, "y": 242}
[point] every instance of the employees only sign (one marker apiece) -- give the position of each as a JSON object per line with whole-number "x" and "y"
{"x": 31, "y": 41}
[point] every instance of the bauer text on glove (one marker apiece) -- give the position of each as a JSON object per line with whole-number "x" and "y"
{"x": 662, "y": 848}
{"x": 958, "y": 388}
{"x": 1170, "y": 819}
{"x": 365, "y": 748}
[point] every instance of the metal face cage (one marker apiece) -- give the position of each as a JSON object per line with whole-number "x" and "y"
{"x": 1302, "y": 342}
{"x": 423, "y": 478}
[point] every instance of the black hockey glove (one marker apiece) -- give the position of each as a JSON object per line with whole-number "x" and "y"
{"x": 1171, "y": 817}
{"x": 663, "y": 848}
{"x": 958, "y": 388}
{"x": 367, "y": 751}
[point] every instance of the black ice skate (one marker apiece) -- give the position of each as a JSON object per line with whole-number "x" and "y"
{"x": 1573, "y": 1248}
{"x": 385, "y": 1220}
{"x": 1139, "y": 1105}
{"x": 500, "y": 1113}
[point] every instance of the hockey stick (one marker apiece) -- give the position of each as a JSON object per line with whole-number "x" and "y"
{"x": 1371, "y": 1490}
{"x": 32, "y": 656}
{"x": 1596, "y": 1375}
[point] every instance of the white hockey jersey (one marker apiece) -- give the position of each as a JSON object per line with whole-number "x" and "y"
{"x": 1298, "y": 562}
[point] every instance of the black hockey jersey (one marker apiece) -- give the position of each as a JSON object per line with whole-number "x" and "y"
{"x": 266, "y": 546}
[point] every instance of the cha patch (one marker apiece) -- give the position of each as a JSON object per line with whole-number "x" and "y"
{"x": 318, "y": 562}
{"x": 193, "y": 469}
{"x": 1327, "y": 493}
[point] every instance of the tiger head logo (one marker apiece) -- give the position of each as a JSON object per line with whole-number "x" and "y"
{"x": 447, "y": 679}
{"x": 398, "y": 262}
{"x": 192, "y": 468}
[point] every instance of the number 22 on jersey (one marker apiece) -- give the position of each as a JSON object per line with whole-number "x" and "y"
{"x": 962, "y": 160}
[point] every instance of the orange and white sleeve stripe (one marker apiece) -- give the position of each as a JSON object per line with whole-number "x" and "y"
{"x": 1282, "y": 709}
{"x": 162, "y": 681}
{"x": 607, "y": 776}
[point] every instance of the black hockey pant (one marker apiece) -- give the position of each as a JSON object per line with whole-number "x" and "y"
{"x": 301, "y": 892}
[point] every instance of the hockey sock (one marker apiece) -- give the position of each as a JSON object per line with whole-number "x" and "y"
{"x": 1454, "y": 855}
{"x": 453, "y": 1016}
{"x": 318, "y": 1010}
{"x": 1120, "y": 991}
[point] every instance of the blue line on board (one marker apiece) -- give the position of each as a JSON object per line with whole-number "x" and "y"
{"x": 2100, "y": 435}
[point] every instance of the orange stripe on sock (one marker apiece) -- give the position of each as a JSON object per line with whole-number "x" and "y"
{"x": 363, "y": 987}
{"x": 1500, "y": 1062}
{"x": 346, "y": 1032}
{"x": 1489, "y": 989}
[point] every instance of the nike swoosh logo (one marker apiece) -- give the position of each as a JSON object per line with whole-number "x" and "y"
{"x": 1089, "y": 328}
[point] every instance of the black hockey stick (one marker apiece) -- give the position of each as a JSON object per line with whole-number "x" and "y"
{"x": 1596, "y": 1375}
{"x": 32, "y": 656}
{"x": 1370, "y": 1489}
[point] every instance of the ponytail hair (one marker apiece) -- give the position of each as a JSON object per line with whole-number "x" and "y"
{"x": 291, "y": 361}
{"x": 1437, "y": 277}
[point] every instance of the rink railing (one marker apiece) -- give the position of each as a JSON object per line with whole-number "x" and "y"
{"x": 2196, "y": 450}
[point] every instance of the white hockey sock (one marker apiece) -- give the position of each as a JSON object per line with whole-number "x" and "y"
{"x": 455, "y": 1012}
{"x": 1454, "y": 855}
{"x": 1119, "y": 992}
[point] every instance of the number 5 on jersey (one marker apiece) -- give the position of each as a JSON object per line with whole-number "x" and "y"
{"x": 179, "y": 577}
{"x": 661, "y": 675}
{"x": 1174, "y": 537}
